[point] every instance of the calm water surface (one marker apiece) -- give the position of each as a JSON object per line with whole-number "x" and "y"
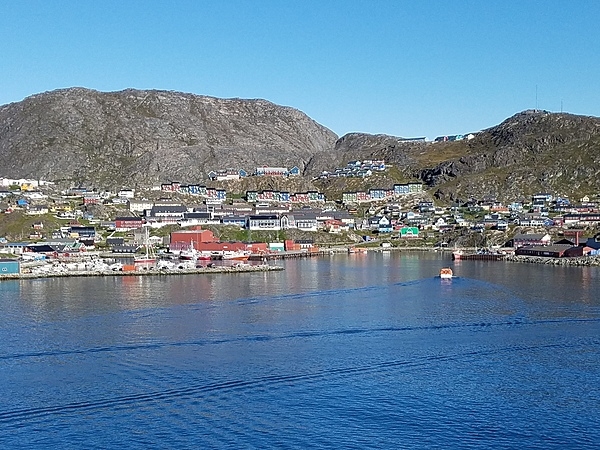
{"x": 351, "y": 351}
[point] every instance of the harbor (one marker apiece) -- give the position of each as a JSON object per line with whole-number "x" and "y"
{"x": 95, "y": 268}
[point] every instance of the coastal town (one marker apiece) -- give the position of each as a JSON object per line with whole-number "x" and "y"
{"x": 199, "y": 226}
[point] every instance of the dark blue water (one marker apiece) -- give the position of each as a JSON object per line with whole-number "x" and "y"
{"x": 352, "y": 351}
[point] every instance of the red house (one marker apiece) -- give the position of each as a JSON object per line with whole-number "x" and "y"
{"x": 128, "y": 223}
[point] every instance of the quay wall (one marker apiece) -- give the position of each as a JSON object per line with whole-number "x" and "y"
{"x": 149, "y": 272}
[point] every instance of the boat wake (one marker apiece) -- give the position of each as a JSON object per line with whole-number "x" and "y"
{"x": 295, "y": 335}
{"x": 202, "y": 389}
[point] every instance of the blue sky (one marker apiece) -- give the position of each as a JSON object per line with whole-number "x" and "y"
{"x": 404, "y": 68}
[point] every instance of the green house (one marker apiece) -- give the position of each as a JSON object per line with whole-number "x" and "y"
{"x": 409, "y": 232}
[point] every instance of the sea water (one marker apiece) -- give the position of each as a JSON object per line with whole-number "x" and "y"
{"x": 348, "y": 351}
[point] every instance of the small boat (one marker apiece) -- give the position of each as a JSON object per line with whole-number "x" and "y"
{"x": 446, "y": 273}
{"x": 237, "y": 255}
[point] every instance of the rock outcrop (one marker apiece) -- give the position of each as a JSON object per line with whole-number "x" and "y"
{"x": 140, "y": 137}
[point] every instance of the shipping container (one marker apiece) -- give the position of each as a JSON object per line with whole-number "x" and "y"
{"x": 10, "y": 266}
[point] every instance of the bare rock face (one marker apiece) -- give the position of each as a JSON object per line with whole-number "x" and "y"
{"x": 532, "y": 151}
{"x": 140, "y": 137}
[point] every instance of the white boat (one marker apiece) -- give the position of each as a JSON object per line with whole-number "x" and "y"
{"x": 231, "y": 255}
{"x": 446, "y": 273}
{"x": 237, "y": 255}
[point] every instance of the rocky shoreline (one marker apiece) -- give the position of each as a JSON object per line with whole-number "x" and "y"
{"x": 581, "y": 261}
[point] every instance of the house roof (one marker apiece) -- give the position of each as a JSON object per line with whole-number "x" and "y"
{"x": 197, "y": 215}
{"x": 530, "y": 237}
{"x": 555, "y": 248}
{"x": 234, "y": 218}
{"x": 264, "y": 217}
{"x": 300, "y": 215}
{"x": 168, "y": 209}
{"x": 137, "y": 219}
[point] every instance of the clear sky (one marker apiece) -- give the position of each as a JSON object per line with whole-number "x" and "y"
{"x": 404, "y": 68}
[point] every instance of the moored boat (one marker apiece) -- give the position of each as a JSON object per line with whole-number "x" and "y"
{"x": 191, "y": 254}
{"x": 147, "y": 260}
{"x": 238, "y": 255}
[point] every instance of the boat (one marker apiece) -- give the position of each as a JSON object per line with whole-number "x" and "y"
{"x": 446, "y": 273}
{"x": 148, "y": 260}
{"x": 237, "y": 255}
{"x": 188, "y": 254}
{"x": 204, "y": 256}
{"x": 191, "y": 254}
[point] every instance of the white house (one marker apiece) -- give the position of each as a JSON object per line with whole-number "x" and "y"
{"x": 126, "y": 193}
{"x": 140, "y": 206}
{"x": 264, "y": 222}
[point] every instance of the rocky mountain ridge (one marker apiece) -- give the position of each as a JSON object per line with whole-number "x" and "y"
{"x": 532, "y": 151}
{"x": 136, "y": 138}
{"x": 143, "y": 137}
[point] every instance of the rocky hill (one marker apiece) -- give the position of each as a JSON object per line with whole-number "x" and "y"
{"x": 135, "y": 138}
{"x": 532, "y": 151}
{"x": 138, "y": 137}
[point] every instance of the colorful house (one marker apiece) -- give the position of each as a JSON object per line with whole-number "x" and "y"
{"x": 409, "y": 232}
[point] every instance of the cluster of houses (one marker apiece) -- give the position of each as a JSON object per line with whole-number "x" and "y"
{"x": 545, "y": 210}
{"x": 219, "y": 196}
{"x": 375, "y": 195}
{"x": 359, "y": 169}
{"x": 454, "y": 137}
{"x": 260, "y": 217}
{"x": 271, "y": 210}
{"x": 571, "y": 245}
{"x": 271, "y": 196}
{"x": 236, "y": 174}
{"x": 210, "y": 195}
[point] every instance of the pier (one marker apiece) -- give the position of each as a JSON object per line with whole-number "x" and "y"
{"x": 238, "y": 268}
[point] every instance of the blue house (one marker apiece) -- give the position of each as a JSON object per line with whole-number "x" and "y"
{"x": 400, "y": 189}
{"x": 221, "y": 194}
{"x": 239, "y": 221}
{"x": 294, "y": 171}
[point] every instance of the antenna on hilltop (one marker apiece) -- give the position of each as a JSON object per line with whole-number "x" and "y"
{"x": 536, "y": 101}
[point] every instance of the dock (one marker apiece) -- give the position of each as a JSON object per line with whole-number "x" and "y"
{"x": 236, "y": 269}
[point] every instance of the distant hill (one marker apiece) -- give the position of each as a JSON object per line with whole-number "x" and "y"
{"x": 141, "y": 137}
{"x": 136, "y": 138}
{"x": 530, "y": 152}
